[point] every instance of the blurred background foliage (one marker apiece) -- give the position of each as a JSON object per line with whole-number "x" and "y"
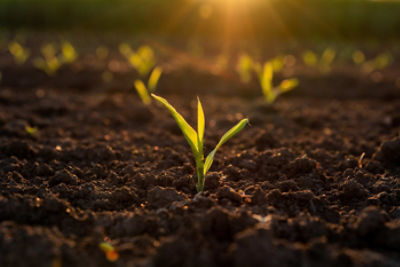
{"x": 237, "y": 19}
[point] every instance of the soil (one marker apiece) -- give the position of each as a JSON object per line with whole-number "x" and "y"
{"x": 313, "y": 181}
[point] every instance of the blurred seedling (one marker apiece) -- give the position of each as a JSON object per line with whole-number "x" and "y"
{"x": 145, "y": 91}
{"x": 32, "y": 131}
{"x": 51, "y": 60}
{"x": 142, "y": 60}
{"x": 245, "y": 67}
{"x": 196, "y": 139}
{"x": 19, "y": 53}
{"x": 110, "y": 252}
{"x": 380, "y": 62}
{"x": 270, "y": 91}
{"x": 323, "y": 63}
{"x": 68, "y": 52}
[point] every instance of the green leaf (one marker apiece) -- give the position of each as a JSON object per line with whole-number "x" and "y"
{"x": 209, "y": 161}
{"x": 266, "y": 79}
{"x": 142, "y": 91}
{"x": 153, "y": 79}
{"x": 200, "y": 129}
{"x": 287, "y": 85}
{"x": 310, "y": 58}
{"x": 327, "y": 57}
{"x": 188, "y": 132}
{"x": 200, "y": 121}
{"x": 228, "y": 135}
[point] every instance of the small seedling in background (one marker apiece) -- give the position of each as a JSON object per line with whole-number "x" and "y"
{"x": 380, "y": 62}
{"x": 143, "y": 60}
{"x": 110, "y": 252}
{"x": 32, "y": 131}
{"x": 324, "y": 63}
{"x": 19, "y": 53}
{"x": 195, "y": 139}
{"x": 49, "y": 63}
{"x": 245, "y": 68}
{"x": 278, "y": 63}
{"x": 145, "y": 91}
{"x": 358, "y": 57}
{"x": 68, "y": 52}
{"x": 270, "y": 91}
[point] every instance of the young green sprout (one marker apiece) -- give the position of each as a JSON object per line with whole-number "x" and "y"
{"x": 380, "y": 62}
{"x": 269, "y": 90}
{"x": 19, "y": 53}
{"x": 142, "y": 60}
{"x": 49, "y": 63}
{"x": 324, "y": 63}
{"x": 53, "y": 58}
{"x": 244, "y": 67}
{"x": 145, "y": 91}
{"x": 69, "y": 54}
{"x": 196, "y": 139}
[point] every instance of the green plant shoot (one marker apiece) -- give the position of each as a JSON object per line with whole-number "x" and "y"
{"x": 380, "y": 62}
{"x": 269, "y": 90}
{"x": 19, "y": 53}
{"x": 245, "y": 67}
{"x": 142, "y": 60}
{"x": 145, "y": 91}
{"x": 323, "y": 63}
{"x": 68, "y": 52}
{"x": 196, "y": 139}
{"x": 50, "y": 63}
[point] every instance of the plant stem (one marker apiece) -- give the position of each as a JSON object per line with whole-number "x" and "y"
{"x": 200, "y": 175}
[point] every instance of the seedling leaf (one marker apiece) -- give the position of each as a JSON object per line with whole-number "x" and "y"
{"x": 228, "y": 135}
{"x": 266, "y": 79}
{"x": 188, "y": 132}
{"x": 142, "y": 91}
{"x": 200, "y": 121}
{"x": 233, "y": 131}
{"x": 288, "y": 84}
{"x": 154, "y": 78}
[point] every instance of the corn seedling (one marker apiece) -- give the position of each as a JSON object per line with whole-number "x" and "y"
{"x": 323, "y": 63}
{"x": 51, "y": 60}
{"x": 19, "y": 53}
{"x": 270, "y": 91}
{"x": 68, "y": 52}
{"x": 244, "y": 67}
{"x": 142, "y": 60}
{"x": 380, "y": 62}
{"x": 145, "y": 91}
{"x": 49, "y": 63}
{"x": 195, "y": 139}
{"x": 32, "y": 131}
{"x": 358, "y": 57}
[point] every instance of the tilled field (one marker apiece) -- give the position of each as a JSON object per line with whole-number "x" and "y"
{"x": 313, "y": 181}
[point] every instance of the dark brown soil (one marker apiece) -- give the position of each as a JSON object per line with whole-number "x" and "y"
{"x": 313, "y": 181}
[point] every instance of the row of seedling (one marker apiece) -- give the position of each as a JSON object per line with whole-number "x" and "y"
{"x": 53, "y": 56}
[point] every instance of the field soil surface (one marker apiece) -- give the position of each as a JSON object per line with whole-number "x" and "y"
{"x": 314, "y": 180}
